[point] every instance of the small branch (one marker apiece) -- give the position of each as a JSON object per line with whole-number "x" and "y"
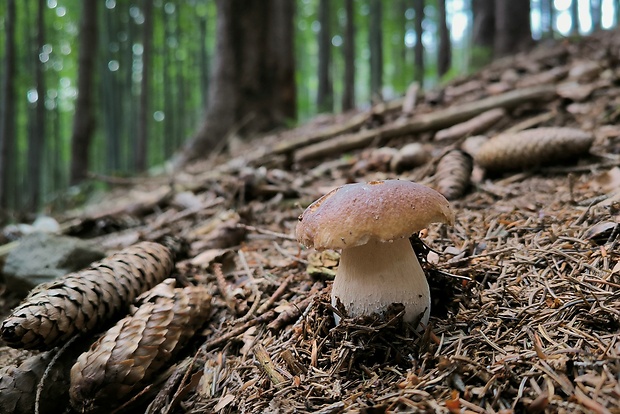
{"x": 266, "y": 364}
{"x": 426, "y": 122}
{"x": 276, "y": 295}
{"x": 323, "y": 134}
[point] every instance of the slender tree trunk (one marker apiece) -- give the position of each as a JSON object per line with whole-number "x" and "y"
{"x": 325, "y": 93}
{"x": 376, "y": 49}
{"x": 142, "y": 139}
{"x": 84, "y": 117}
{"x": 282, "y": 49}
{"x": 36, "y": 137}
{"x": 348, "y": 97}
{"x": 401, "y": 50}
{"x": 204, "y": 61}
{"x": 444, "y": 57}
{"x": 56, "y": 158}
{"x": 551, "y": 12}
{"x": 418, "y": 6}
{"x": 170, "y": 121}
{"x": 483, "y": 32}
{"x": 8, "y": 113}
{"x": 180, "y": 84}
{"x": 512, "y": 30}
{"x": 241, "y": 89}
{"x": 546, "y": 17}
{"x": 110, "y": 95}
{"x": 127, "y": 86}
{"x": 595, "y": 12}
{"x": 574, "y": 15}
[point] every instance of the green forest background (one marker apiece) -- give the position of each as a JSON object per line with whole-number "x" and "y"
{"x": 183, "y": 51}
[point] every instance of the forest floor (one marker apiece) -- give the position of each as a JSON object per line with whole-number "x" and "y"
{"x": 525, "y": 286}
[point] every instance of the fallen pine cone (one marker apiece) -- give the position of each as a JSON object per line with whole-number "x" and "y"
{"x": 453, "y": 174}
{"x": 532, "y": 148}
{"x": 127, "y": 355}
{"x": 81, "y": 302}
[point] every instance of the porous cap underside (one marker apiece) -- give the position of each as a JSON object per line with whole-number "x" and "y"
{"x": 353, "y": 214}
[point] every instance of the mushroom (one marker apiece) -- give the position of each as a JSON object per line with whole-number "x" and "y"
{"x": 371, "y": 223}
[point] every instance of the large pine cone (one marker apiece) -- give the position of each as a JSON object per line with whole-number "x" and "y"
{"x": 83, "y": 301}
{"x": 536, "y": 147}
{"x": 453, "y": 174}
{"x": 125, "y": 358}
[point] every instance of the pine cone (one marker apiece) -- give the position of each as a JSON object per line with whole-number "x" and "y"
{"x": 532, "y": 148}
{"x": 453, "y": 174}
{"x": 125, "y": 358}
{"x": 83, "y": 301}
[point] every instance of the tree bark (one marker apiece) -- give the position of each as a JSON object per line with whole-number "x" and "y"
{"x": 325, "y": 93}
{"x": 418, "y": 6}
{"x": 109, "y": 90}
{"x": 595, "y": 12}
{"x": 444, "y": 57}
{"x": 483, "y": 32}
{"x": 8, "y": 114}
{"x": 376, "y": 49}
{"x": 574, "y": 15}
{"x": 84, "y": 117}
{"x": 282, "y": 50}
{"x": 204, "y": 60}
{"x": 348, "y": 96}
{"x": 512, "y": 31}
{"x": 170, "y": 121}
{"x": 36, "y": 132}
{"x": 545, "y": 18}
{"x": 142, "y": 138}
{"x": 241, "y": 90}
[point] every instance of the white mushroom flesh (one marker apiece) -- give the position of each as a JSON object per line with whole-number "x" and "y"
{"x": 372, "y": 276}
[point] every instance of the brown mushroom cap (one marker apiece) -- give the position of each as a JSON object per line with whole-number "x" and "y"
{"x": 353, "y": 214}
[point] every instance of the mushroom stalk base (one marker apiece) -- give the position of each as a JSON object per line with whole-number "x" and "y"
{"x": 373, "y": 276}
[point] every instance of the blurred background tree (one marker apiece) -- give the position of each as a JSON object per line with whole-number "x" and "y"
{"x": 116, "y": 87}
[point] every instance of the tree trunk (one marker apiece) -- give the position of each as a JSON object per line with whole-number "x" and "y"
{"x": 204, "y": 61}
{"x": 348, "y": 96}
{"x": 325, "y": 93}
{"x": 84, "y": 117}
{"x": 170, "y": 121}
{"x": 142, "y": 139}
{"x": 8, "y": 114}
{"x": 180, "y": 81}
{"x": 595, "y": 12}
{"x": 36, "y": 134}
{"x": 282, "y": 50}
{"x": 241, "y": 89}
{"x": 512, "y": 30}
{"x": 376, "y": 50}
{"x": 418, "y": 6}
{"x": 546, "y": 18}
{"x": 483, "y": 32}
{"x": 110, "y": 95}
{"x": 444, "y": 57}
{"x": 574, "y": 15}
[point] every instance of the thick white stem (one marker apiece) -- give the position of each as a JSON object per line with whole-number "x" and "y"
{"x": 373, "y": 276}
